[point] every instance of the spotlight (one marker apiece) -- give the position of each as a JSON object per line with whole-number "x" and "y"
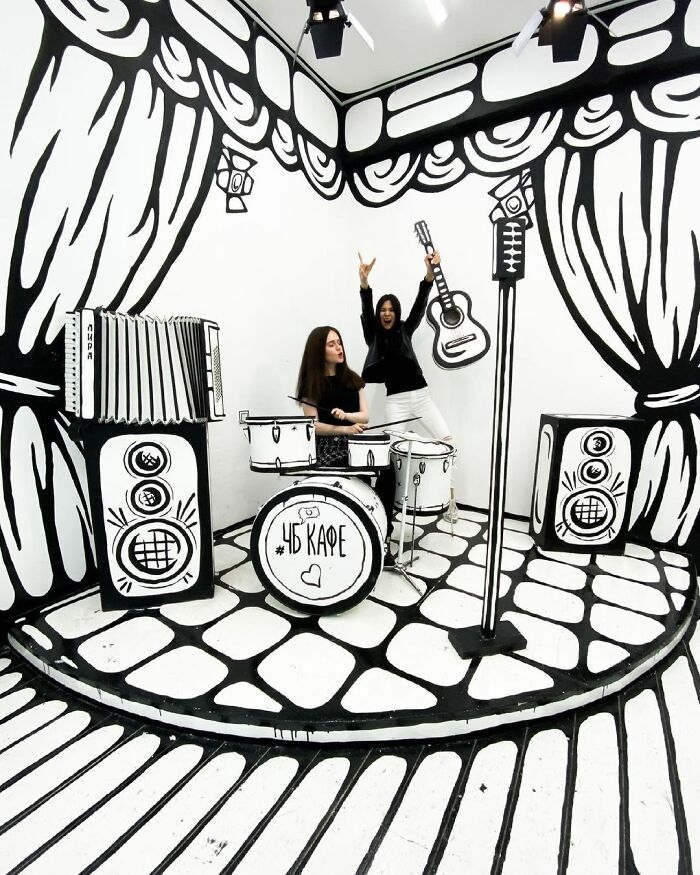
{"x": 562, "y": 8}
{"x": 326, "y": 23}
{"x": 562, "y": 25}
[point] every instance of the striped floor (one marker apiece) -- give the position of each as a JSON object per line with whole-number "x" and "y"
{"x": 613, "y": 788}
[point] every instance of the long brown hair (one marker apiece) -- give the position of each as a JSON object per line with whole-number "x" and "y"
{"x": 312, "y": 372}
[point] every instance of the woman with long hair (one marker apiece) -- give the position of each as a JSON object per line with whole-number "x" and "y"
{"x": 390, "y": 357}
{"x": 327, "y": 382}
{"x": 339, "y": 408}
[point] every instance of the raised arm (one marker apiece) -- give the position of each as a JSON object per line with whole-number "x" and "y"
{"x": 421, "y": 302}
{"x": 369, "y": 324}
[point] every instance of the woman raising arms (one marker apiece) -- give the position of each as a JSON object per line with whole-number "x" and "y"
{"x": 390, "y": 357}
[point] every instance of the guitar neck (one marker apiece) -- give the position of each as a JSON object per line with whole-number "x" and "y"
{"x": 444, "y": 292}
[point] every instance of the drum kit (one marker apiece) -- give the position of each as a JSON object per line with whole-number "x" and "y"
{"x": 318, "y": 545}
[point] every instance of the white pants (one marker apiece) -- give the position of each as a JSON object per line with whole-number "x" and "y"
{"x": 417, "y": 403}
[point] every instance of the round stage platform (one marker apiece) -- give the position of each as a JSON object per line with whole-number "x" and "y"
{"x": 242, "y": 664}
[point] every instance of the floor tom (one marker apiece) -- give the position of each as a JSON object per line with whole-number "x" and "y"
{"x": 429, "y": 475}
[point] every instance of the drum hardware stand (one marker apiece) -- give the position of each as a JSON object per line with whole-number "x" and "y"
{"x": 400, "y": 566}
{"x": 451, "y": 514}
{"x": 510, "y": 221}
{"x": 416, "y": 481}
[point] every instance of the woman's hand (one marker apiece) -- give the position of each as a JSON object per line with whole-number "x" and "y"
{"x": 430, "y": 262}
{"x": 365, "y": 268}
{"x": 337, "y": 413}
{"x": 356, "y": 428}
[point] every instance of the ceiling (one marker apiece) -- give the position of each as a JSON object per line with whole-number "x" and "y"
{"x": 406, "y": 37}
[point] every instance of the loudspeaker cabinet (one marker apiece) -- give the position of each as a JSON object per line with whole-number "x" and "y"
{"x": 587, "y": 467}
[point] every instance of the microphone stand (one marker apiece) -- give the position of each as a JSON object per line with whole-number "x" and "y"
{"x": 509, "y": 266}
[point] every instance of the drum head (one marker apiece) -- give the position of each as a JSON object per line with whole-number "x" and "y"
{"x": 317, "y": 548}
{"x": 271, "y": 420}
{"x": 369, "y": 439}
{"x": 423, "y": 449}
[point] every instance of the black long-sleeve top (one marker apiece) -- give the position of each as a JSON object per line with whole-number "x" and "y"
{"x": 390, "y": 358}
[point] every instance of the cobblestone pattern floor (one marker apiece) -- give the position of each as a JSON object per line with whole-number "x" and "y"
{"x": 611, "y": 788}
{"x": 385, "y": 668}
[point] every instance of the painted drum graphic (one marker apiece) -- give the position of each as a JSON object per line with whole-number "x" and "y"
{"x": 369, "y": 451}
{"x": 281, "y": 443}
{"x": 319, "y": 545}
{"x": 430, "y": 475}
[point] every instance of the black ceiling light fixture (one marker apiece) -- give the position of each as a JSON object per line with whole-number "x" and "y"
{"x": 562, "y": 25}
{"x": 326, "y": 23}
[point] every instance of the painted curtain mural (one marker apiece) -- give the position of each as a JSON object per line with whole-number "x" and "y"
{"x": 614, "y": 183}
{"x": 122, "y": 115}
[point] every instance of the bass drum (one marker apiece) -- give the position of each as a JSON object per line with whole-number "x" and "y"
{"x": 318, "y": 545}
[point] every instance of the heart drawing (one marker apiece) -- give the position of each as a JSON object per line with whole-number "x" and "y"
{"x": 312, "y": 577}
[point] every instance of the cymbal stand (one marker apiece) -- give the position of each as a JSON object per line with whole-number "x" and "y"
{"x": 416, "y": 481}
{"x": 400, "y": 566}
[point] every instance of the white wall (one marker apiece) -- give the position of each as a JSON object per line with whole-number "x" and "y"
{"x": 290, "y": 263}
{"x": 268, "y": 277}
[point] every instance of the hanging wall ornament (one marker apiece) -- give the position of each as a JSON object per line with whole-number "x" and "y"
{"x": 233, "y": 178}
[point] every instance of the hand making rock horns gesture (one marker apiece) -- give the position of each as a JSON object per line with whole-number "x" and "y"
{"x": 365, "y": 268}
{"x": 431, "y": 261}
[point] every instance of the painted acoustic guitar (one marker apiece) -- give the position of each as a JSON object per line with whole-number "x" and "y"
{"x": 459, "y": 338}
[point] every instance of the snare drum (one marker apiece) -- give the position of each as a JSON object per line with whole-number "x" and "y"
{"x": 369, "y": 451}
{"x": 281, "y": 443}
{"x": 429, "y": 477}
{"x": 318, "y": 545}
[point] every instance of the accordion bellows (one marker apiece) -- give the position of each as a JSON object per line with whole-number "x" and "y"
{"x": 139, "y": 369}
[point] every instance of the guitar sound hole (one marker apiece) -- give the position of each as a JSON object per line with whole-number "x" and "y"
{"x": 451, "y": 317}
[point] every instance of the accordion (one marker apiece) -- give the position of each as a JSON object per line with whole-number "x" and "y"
{"x": 142, "y": 370}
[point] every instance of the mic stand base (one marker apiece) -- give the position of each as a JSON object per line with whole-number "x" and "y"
{"x": 471, "y": 641}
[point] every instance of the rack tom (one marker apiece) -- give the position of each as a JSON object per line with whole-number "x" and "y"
{"x": 280, "y": 443}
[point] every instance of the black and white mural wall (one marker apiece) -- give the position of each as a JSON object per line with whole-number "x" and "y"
{"x": 607, "y": 316}
{"x": 123, "y": 127}
{"x": 145, "y": 151}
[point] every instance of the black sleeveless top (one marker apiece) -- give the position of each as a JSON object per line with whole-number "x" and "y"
{"x": 335, "y": 395}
